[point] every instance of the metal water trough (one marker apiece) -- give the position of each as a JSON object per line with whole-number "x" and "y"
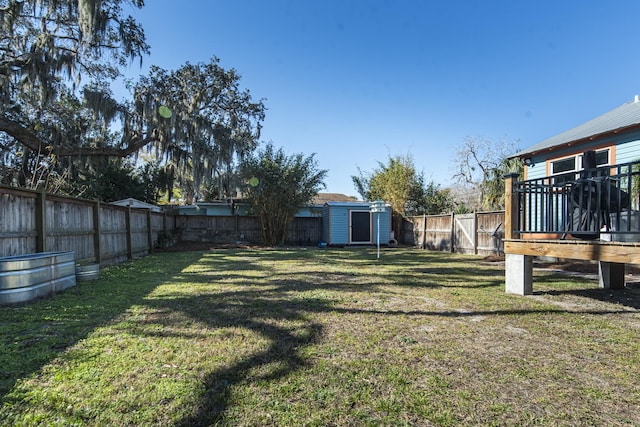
{"x": 87, "y": 272}
{"x": 25, "y": 277}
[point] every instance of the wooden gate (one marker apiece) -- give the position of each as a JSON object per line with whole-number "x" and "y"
{"x": 480, "y": 233}
{"x": 464, "y": 233}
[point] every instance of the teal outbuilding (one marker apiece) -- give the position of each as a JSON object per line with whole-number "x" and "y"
{"x": 353, "y": 223}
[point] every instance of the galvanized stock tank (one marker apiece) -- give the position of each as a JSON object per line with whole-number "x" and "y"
{"x": 25, "y": 277}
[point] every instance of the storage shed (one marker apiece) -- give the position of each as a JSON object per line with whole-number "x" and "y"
{"x": 352, "y": 223}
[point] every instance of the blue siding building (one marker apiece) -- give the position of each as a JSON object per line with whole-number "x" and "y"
{"x": 352, "y": 223}
{"x": 221, "y": 208}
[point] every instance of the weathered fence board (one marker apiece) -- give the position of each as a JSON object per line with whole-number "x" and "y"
{"x": 139, "y": 233}
{"x": 113, "y": 234}
{"x": 304, "y": 231}
{"x": 17, "y": 223}
{"x": 69, "y": 226}
{"x": 249, "y": 228}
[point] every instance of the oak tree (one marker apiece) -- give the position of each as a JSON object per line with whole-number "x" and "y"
{"x": 48, "y": 48}
{"x": 203, "y": 122}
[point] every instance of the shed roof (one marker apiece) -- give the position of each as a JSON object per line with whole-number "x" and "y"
{"x": 625, "y": 116}
{"x": 351, "y": 203}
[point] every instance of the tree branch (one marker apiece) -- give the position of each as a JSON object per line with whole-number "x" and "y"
{"x": 31, "y": 140}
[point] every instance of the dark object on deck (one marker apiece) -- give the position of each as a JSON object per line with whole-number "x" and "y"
{"x": 593, "y": 198}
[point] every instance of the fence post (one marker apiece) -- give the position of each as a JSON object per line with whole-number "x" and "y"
{"x": 41, "y": 220}
{"x": 453, "y": 232}
{"x": 129, "y": 234}
{"x": 475, "y": 233}
{"x": 424, "y": 230}
{"x": 97, "y": 251}
{"x": 510, "y": 207}
{"x": 149, "y": 232}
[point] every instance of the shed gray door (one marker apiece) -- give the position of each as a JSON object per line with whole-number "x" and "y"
{"x": 360, "y": 227}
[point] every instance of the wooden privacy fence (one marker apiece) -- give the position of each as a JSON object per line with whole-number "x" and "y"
{"x": 476, "y": 233}
{"x": 32, "y": 221}
{"x": 302, "y": 231}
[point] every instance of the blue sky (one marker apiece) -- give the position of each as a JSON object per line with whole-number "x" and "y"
{"x": 355, "y": 81}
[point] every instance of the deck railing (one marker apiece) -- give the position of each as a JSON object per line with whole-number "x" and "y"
{"x": 598, "y": 203}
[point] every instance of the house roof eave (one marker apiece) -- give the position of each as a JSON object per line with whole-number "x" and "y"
{"x": 621, "y": 119}
{"x": 559, "y": 146}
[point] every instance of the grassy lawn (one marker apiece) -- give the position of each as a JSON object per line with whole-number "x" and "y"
{"x": 321, "y": 337}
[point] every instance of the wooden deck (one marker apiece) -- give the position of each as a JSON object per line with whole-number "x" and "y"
{"x": 588, "y": 250}
{"x": 519, "y": 253}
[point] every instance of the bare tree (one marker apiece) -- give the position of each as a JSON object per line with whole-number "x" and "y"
{"x": 475, "y": 162}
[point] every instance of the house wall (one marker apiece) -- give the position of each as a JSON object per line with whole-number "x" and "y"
{"x": 626, "y": 149}
{"x": 222, "y": 210}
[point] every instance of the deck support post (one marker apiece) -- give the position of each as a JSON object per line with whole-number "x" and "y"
{"x": 611, "y": 275}
{"x": 511, "y": 210}
{"x": 519, "y": 274}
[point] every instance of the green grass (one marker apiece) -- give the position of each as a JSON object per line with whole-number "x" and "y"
{"x": 321, "y": 337}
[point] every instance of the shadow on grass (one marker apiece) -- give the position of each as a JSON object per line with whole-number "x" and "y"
{"x": 33, "y": 334}
{"x": 558, "y": 283}
{"x": 266, "y": 302}
{"x": 623, "y": 297}
{"x": 271, "y": 311}
{"x": 266, "y": 306}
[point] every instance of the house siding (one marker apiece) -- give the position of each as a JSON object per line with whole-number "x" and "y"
{"x": 626, "y": 149}
{"x": 213, "y": 210}
{"x": 538, "y": 168}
